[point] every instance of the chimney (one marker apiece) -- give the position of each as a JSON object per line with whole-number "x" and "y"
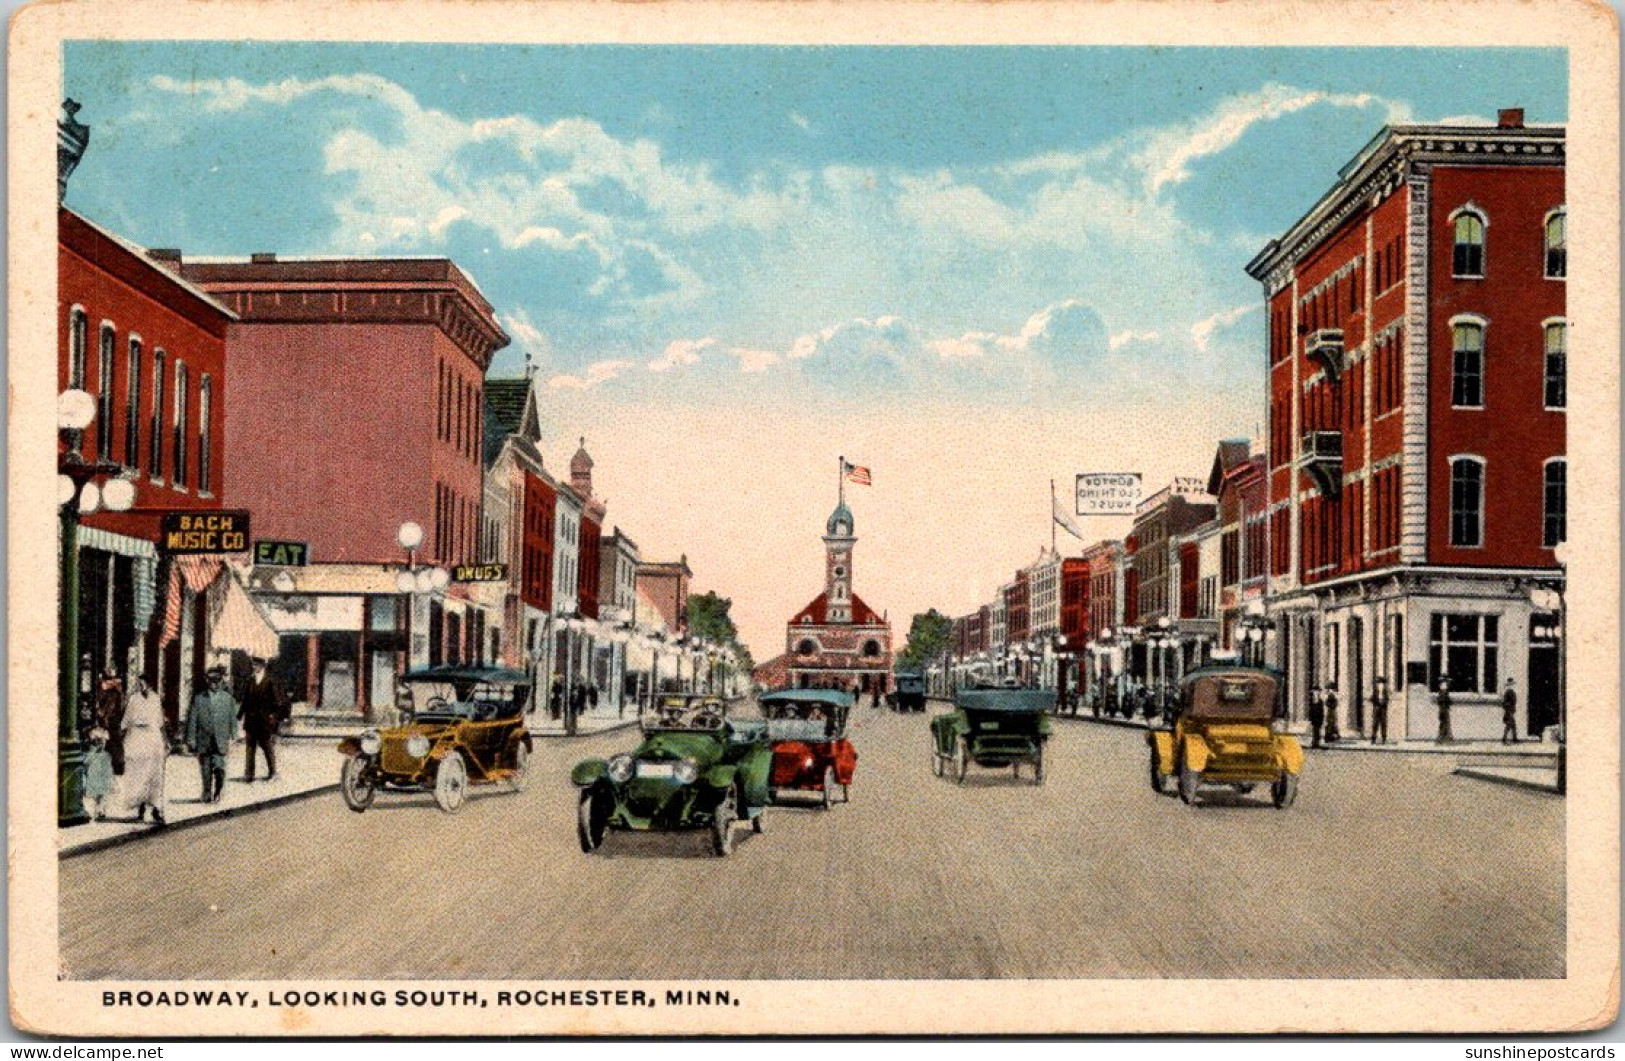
{"x": 165, "y": 254}
{"x": 262, "y": 257}
{"x": 1510, "y": 118}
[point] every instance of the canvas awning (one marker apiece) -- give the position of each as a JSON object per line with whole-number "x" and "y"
{"x": 237, "y": 623}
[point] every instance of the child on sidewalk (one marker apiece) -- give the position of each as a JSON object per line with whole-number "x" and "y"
{"x": 98, "y": 773}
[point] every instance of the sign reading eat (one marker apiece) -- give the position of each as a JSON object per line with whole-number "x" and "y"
{"x": 283, "y": 554}
{"x": 205, "y": 532}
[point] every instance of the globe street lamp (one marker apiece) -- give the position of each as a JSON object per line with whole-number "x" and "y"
{"x": 83, "y": 487}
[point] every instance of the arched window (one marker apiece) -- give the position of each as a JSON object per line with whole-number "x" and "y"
{"x": 155, "y": 462}
{"x": 806, "y": 647}
{"x": 104, "y": 392}
{"x": 1555, "y": 502}
{"x": 1467, "y": 502}
{"x": 1467, "y": 373}
{"x": 871, "y": 648}
{"x": 132, "y": 405}
{"x": 1556, "y": 381}
{"x": 179, "y": 447}
{"x": 78, "y": 329}
{"x": 205, "y": 432}
{"x": 1468, "y": 256}
{"x": 1557, "y": 244}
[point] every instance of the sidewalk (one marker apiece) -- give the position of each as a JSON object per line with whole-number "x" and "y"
{"x": 604, "y": 720}
{"x": 303, "y": 768}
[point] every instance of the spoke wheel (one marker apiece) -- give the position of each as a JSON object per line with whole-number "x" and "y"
{"x": 451, "y": 782}
{"x": 1159, "y": 780}
{"x": 356, "y": 783}
{"x": 722, "y": 824}
{"x": 964, "y": 759}
{"x": 1285, "y": 790}
{"x": 1038, "y": 769}
{"x": 590, "y": 823}
{"x": 936, "y": 762}
{"x": 521, "y": 767}
{"x": 829, "y": 787}
{"x": 1189, "y": 781}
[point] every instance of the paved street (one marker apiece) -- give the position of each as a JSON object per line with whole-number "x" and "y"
{"x": 1386, "y": 867}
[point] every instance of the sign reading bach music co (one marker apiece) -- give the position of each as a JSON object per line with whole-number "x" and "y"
{"x": 205, "y": 532}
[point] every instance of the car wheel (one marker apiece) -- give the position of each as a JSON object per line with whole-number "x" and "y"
{"x": 722, "y": 824}
{"x": 590, "y": 823}
{"x": 936, "y": 762}
{"x": 846, "y": 793}
{"x": 829, "y": 787}
{"x": 1159, "y": 780}
{"x": 964, "y": 759}
{"x": 357, "y": 783}
{"x": 1285, "y": 790}
{"x": 1038, "y": 769}
{"x": 521, "y": 767}
{"x": 451, "y": 782}
{"x": 1189, "y": 781}
{"x": 756, "y": 825}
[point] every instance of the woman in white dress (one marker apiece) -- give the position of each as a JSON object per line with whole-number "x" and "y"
{"x": 145, "y": 751}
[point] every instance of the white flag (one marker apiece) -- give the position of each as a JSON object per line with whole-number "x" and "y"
{"x": 1065, "y": 520}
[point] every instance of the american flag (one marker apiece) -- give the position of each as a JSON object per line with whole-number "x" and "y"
{"x": 856, "y": 473}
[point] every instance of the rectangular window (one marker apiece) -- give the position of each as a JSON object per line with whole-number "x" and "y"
{"x": 1555, "y": 503}
{"x": 155, "y": 458}
{"x": 1466, "y": 503}
{"x": 1467, "y": 378}
{"x": 204, "y": 433}
{"x": 180, "y": 424}
{"x": 1465, "y": 649}
{"x": 1556, "y": 382}
{"x": 78, "y": 336}
{"x": 104, "y": 395}
{"x": 132, "y": 406}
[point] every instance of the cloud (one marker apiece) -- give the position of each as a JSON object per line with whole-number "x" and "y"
{"x": 597, "y": 372}
{"x": 1118, "y": 340}
{"x": 538, "y": 350}
{"x": 754, "y": 360}
{"x": 1202, "y": 331}
{"x": 1168, "y": 158}
{"x": 680, "y": 352}
{"x": 800, "y": 121}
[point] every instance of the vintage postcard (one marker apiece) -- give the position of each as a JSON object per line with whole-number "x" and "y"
{"x": 587, "y": 519}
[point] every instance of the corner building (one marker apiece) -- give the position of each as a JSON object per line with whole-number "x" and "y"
{"x": 1416, "y": 440}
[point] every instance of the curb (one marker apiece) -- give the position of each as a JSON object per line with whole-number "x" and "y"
{"x": 1478, "y": 774}
{"x": 186, "y": 823}
{"x": 550, "y": 735}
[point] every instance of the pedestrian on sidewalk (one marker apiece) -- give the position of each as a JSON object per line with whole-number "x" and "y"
{"x": 109, "y": 714}
{"x": 555, "y": 697}
{"x": 1509, "y": 714}
{"x": 211, "y": 723}
{"x": 1379, "y": 711}
{"x": 263, "y": 710}
{"x": 98, "y": 773}
{"x": 1444, "y": 709}
{"x": 145, "y": 751}
{"x": 1317, "y": 715}
{"x": 1333, "y": 732}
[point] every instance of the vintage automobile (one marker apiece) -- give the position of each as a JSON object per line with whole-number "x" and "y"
{"x": 465, "y": 726}
{"x": 910, "y": 691}
{"x": 1229, "y": 730}
{"x": 811, "y": 755}
{"x": 696, "y": 768}
{"x": 993, "y": 728}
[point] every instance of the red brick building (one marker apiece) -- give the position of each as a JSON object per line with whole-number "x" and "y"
{"x": 1416, "y": 471}
{"x": 150, "y": 348}
{"x": 838, "y": 641}
{"x": 1239, "y": 481}
{"x": 357, "y": 405}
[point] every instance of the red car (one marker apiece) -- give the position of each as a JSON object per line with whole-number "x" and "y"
{"x": 811, "y": 755}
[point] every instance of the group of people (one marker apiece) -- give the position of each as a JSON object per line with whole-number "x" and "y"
{"x": 129, "y": 745}
{"x": 1322, "y": 713}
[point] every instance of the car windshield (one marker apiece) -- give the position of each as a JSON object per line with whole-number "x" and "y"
{"x": 672, "y": 713}
{"x": 474, "y": 701}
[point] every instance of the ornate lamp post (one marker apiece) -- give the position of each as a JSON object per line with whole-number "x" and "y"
{"x": 414, "y": 580}
{"x": 83, "y": 487}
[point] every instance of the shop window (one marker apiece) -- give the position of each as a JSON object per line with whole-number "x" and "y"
{"x": 1467, "y": 502}
{"x": 1463, "y": 648}
{"x": 1468, "y": 253}
{"x": 1555, "y": 502}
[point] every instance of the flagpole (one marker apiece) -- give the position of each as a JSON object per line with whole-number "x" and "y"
{"x": 1052, "y": 519}
{"x": 840, "y": 478}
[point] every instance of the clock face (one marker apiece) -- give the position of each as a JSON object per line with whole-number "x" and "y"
{"x": 839, "y": 571}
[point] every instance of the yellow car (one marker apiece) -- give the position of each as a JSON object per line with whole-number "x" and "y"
{"x": 1230, "y": 731}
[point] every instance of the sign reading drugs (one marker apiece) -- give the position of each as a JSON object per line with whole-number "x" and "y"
{"x": 1108, "y": 493}
{"x": 480, "y": 573}
{"x": 204, "y": 532}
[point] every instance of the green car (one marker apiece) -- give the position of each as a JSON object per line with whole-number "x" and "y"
{"x": 696, "y": 769}
{"x": 992, "y": 728}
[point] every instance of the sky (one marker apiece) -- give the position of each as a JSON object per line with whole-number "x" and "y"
{"x": 974, "y": 270}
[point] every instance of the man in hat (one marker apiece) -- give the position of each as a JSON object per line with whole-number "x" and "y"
{"x": 211, "y": 723}
{"x": 264, "y": 708}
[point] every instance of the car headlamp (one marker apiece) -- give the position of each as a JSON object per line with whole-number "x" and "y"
{"x": 686, "y": 771}
{"x": 620, "y": 768}
{"x": 417, "y": 746}
{"x": 371, "y": 742}
{"x": 1278, "y": 725}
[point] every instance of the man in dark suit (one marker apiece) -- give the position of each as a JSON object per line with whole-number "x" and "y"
{"x": 211, "y": 723}
{"x": 263, "y": 710}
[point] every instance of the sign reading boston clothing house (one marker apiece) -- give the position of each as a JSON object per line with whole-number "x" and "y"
{"x": 1108, "y": 493}
{"x": 204, "y": 532}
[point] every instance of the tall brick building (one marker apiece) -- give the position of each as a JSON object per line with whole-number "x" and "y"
{"x": 837, "y": 640}
{"x": 1415, "y": 459}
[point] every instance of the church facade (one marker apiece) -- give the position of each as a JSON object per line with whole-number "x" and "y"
{"x": 836, "y": 641}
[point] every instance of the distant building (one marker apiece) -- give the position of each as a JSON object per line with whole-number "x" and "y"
{"x": 837, "y": 641}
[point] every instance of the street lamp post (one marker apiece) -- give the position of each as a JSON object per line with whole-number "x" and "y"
{"x": 78, "y": 493}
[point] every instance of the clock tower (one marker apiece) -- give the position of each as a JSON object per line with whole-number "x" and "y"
{"x": 839, "y": 538}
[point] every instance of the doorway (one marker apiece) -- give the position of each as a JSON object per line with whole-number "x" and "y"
{"x": 1357, "y": 673}
{"x": 1545, "y": 684}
